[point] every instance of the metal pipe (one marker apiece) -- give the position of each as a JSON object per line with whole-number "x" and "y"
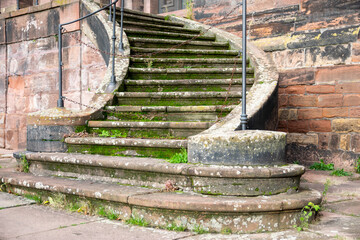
{"x": 113, "y": 77}
{"x": 17, "y": 4}
{"x": 121, "y": 44}
{"x": 243, "y": 118}
{"x": 60, "y": 101}
{"x": 37, "y": 2}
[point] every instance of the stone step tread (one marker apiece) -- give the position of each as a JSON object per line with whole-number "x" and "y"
{"x": 202, "y": 82}
{"x": 164, "y": 200}
{"x": 178, "y": 95}
{"x": 130, "y": 142}
{"x": 150, "y": 19}
{"x": 187, "y": 51}
{"x": 188, "y": 60}
{"x": 171, "y": 109}
{"x": 188, "y": 70}
{"x": 162, "y": 27}
{"x": 161, "y": 125}
{"x": 171, "y": 41}
{"x": 168, "y": 34}
{"x": 162, "y": 166}
{"x": 130, "y": 11}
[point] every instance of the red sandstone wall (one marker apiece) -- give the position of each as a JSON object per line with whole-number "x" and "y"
{"x": 29, "y": 68}
{"x": 316, "y": 46}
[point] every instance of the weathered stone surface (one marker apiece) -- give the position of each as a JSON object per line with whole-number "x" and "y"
{"x": 47, "y": 138}
{"x": 302, "y": 138}
{"x": 238, "y": 148}
{"x": 333, "y": 54}
{"x": 346, "y": 125}
{"x": 213, "y": 179}
{"x": 296, "y": 77}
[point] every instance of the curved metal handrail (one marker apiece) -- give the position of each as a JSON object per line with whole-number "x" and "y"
{"x": 60, "y": 101}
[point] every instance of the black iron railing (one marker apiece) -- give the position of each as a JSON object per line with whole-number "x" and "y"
{"x": 243, "y": 118}
{"x": 112, "y": 7}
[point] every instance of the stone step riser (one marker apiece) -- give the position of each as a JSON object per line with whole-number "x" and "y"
{"x": 172, "y": 76}
{"x": 163, "y": 116}
{"x": 182, "y": 88}
{"x": 177, "y": 45}
{"x": 143, "y": 19}
{"x": 179, "y": 55}
{"x": 128, "y": 151}
{"x": 176, "y": 102}
{"x": 134, "y": 132}
{"x": 180, "y": 64}
{"x": 170, "y": 36}
{"x": 153, "y": 27}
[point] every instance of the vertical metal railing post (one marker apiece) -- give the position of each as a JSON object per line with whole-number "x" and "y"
{"x": 113, "y": 77}
{"x": 60, "y": 101}
{"x": 17, "y": 4}
{"x": 243, "y": 118}
{"x": 110, "y": 9}
{"x": 37, "y": 2}
{"x": 121, "y": 44}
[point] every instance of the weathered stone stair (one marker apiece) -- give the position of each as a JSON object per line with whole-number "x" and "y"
{"x": 168, "y": 95}
{"x": 164, "y": 99}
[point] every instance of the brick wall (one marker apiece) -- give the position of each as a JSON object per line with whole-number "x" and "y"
{"x": 29, "y": 67}
{"x": 316, "y": 46}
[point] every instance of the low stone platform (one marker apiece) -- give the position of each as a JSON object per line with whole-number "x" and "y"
{"x": 161, "y": 209}
{"x": 151, "y": 172}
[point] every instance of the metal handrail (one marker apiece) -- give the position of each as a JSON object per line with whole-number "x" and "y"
{"x": 60, "y": 101}
{"x": 243, "y": 118}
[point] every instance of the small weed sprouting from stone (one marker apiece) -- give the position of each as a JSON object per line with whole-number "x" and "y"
{"x": 109, "y": 214}
{"x": 357, "y": 166}
{"x": 189, "y": 9}
{"x": 137, "y": 221}
{"x": 322, "y": 166}
{"x": 181, "y": 157}
{"x": 324, "y": 193}
{"x": 306, "y": 214}
{"x": 175, "y": 227}
{"x": 226, "y": 231}
{"x": 340, "y": 173}
{"x": 24, "y": 165}
{"x": 199, "y": 229}
{"x": 113, "y": 133}
{"x": 36, "y": 198}
{"x": 58, "y": 200}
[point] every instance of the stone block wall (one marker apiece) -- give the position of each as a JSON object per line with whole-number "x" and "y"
{"x": 29, "y": 66}
{"x": 316, "y": 46}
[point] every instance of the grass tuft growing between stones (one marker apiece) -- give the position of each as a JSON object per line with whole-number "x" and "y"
{"x": 322, "y": 166}
{"x": 199, "y": 229}
{"x": 134, "y": 220}
{"x": 181, "y": 157}
{"x": 108, "y": 213}
{"x": 357, "y": 166}
{"x": 175, "y": 227}
{"x": 340, "y": 173}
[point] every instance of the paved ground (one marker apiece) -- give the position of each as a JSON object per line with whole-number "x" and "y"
{"x": 23, "y": 219}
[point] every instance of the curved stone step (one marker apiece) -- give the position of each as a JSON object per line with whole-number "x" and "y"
{"x": 168, "y": 113}
{"x": 158, "y": 148}
{"x": 185, "y": 85}
{"x": 186, "y": 73}
{"x": 165, "y": 35}
{"x": 139, "y": 13}
{"x": 183, "y": 53}
{"x": 155, "y": 27}
{"x": 161, "y": 209}
{"x": 185, "y": 62}
{"x": 177, "y": 98}
{"x": 150, "y": 172}
{"x": 147, "y": 19}
{"x": 166, "y": 43}
{"x": 138, "y": 129}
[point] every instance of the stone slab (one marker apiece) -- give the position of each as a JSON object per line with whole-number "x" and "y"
{"x": 26, "y": 220}
{"x": 9, "y": 200}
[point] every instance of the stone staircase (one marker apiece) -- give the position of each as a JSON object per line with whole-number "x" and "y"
{"x": 121, "y": 165}
{"x": 168, "y": 95}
